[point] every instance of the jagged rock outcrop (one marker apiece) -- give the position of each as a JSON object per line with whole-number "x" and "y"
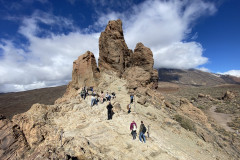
{"x": 85, "y": 71}
{"x": 12, "y": 141}
{"x": 113, "y": 51}
{"x": 114, "y": 55}
{"x": 141, "y": 72}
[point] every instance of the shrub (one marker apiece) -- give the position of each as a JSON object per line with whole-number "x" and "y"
{"x": 185, "y": 123}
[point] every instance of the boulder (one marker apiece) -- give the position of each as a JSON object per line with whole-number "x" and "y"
{"x": 113, "y": 51}
{"x": 229, "y": 95}
{"x": 142, "y": 100}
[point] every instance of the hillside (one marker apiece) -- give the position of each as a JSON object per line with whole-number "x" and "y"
{"x": 73, "y": 128}
{"x": 19, "y": 102}
{"x": 195, "y": 77}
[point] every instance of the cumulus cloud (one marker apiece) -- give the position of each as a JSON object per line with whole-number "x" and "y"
{"x": 232, "y": 73}
{"x": 46, "y": 60}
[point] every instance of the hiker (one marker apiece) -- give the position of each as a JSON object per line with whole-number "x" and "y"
{"x": 113, "y": 95}
{"x": 129, "y": 108}
{"x": 83, "y": 93}
{"x": 102, "y": 97}
{"x": 142, "y": 131}
{"x": 133, "y": 128}
{"x": 93, "y": 99}
{"x": 110, "y": 111}
{"x": 108, "y": 97}
{"x": 131, "y": 98}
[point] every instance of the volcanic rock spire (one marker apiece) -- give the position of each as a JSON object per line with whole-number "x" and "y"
{"x": 113, "y": 51}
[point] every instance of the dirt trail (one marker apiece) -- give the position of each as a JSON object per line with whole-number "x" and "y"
{"x": 221, "y": 118}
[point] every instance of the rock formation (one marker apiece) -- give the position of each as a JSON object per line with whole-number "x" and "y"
{"x": 114, "y": 55}
{"x": 113, "y": 51}
{"x": 12, "y": 141}
{"x": 85, "y": 71}
{"x": 229, "y": 95}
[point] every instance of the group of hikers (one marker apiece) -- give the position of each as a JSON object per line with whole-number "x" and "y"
{"x": 95, "y": 98}
{"x": 142, "y": 131}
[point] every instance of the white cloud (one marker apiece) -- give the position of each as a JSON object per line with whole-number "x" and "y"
{"x": 232, "y": 73}
{"x": 204, "y": 69}
{"x": 47, "y": 60}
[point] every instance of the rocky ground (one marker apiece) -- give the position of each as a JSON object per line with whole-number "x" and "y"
{"x": 87, "y": 134}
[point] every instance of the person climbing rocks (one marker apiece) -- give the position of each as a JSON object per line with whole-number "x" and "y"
{"x": 110, "y": 111}
{"x": 133, "y": 128}
{"x": 131, "y": 98}
{"x": 142, "y": 131}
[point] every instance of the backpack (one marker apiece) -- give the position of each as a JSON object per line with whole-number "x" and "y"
{"x": 128, "y": 106}
{"x": 144, "y": 129}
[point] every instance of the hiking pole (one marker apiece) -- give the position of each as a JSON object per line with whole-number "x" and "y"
{"x": 134, "y": 104}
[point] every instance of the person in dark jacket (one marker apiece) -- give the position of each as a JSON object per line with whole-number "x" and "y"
{"x": 110, "y": 112}
{"x": 133, "y": 128}
{"x": 142, "y": 132}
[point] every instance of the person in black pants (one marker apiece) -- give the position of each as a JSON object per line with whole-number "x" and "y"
{"x": 109, "y": 108}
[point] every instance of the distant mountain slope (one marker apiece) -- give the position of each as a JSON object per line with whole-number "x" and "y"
{"x": 195, "y": 77}
{"x": 19, "y": 102}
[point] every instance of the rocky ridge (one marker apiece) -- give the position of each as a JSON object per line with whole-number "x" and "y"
{"x": 72, "y": 129}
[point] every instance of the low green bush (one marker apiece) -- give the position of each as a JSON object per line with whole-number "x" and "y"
{"x": 185, "y": 123}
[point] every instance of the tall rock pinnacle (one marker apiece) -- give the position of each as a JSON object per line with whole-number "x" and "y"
{"x": 85, "y": 71}
{"x": 113, "y": 51}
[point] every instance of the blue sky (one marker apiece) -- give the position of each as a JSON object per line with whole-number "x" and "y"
{"x": 39, "y": 39}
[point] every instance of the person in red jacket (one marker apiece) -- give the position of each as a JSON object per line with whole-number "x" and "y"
{"x": 133, "y": 128}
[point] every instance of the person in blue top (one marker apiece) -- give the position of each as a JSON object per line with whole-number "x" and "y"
{"x": 131, "y": 98}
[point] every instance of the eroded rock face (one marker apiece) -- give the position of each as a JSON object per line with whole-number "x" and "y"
{"x": 12, "y": 141}
{"x": 85, "y": 71}
{"x": 137, "y": 66}
{"x": 113, "y": 51}
{"x": 141, "y": 72}
{"x": 143, "y": 57}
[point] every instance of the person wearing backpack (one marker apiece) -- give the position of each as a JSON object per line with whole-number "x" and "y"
{"x": 133, "y": 128}
{"x": 142, "y": 131}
